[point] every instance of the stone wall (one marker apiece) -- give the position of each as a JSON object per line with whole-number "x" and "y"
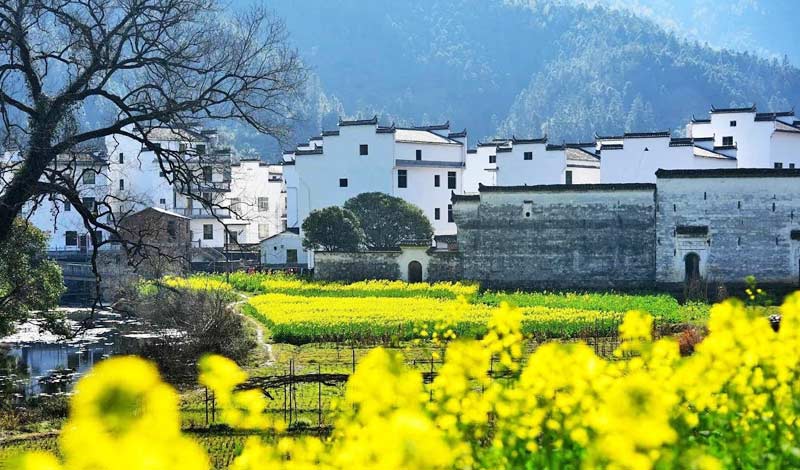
{"x": 445, "y": 266}
{"x": 359, "y": 266}
{"x": 559, "y": 236}
{"x": 738, "y": 222}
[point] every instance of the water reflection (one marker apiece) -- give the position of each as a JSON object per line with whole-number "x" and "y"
{"x": 33, "y": 362}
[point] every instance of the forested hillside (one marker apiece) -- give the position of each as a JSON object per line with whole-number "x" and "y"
{"x": 517, "y": 66}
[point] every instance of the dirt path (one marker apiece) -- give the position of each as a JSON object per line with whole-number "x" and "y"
{"x": 267, "y": 347}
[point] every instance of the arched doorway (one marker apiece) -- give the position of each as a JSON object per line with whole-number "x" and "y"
{"x": 691, "y": 268}
{"x": 414, "y": 271}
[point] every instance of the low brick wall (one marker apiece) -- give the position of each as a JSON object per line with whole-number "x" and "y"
{"x": 356, "y": 266}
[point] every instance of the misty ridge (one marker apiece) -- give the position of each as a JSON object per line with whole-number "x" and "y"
{"x": 500, "y": 68}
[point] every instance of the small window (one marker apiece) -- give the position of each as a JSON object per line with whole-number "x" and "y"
{"x": 161, "y": 174}
{"x": 733, "y": 123}
{"x": 200, "y": 149}
{"x": 291, "y": 256}
{"x": 182, "y": 147}
{"x": 233, "y": 237}
{"x": 157, "y": 145}
{"x": 437, "y": 214}
{"x": 263, "y": 231}
{"x": 122, "y": 185}
{"x": 402, "y": 178}
{"x": 208, "y": 174}
{"x": 791, "y": 165}
{"x": 207, "y": 198}
{"x": 450, "y": 213}
{"x": 90, "y": 204}
{"x": 727, "y": 141}
{"x": 451, "y": 180}
{"x": 419, "y": 154}
{"x": 208, "y": 232}
{"x": 121, "y": 157}
{"x": 263, "y": 203}
{"x": 778, "y": 165}
{"x": 171, "y": 229}
{"x": 363, "y": 149}
{"x": 162, "y": 201}
{"x": 492, "y": 158}
{"x": 236, "y": 203}
{"x": 67, "y": 206}
{"x": 568, "y": 177}
{"x": 88, "y": 177}
{"x": 342, "y": 182}
{"x": 436, "y": 181}
{"x": 528, "y": 156}
{"x": 71, "y": 238}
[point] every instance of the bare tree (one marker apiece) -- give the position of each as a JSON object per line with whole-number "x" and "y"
{"x": 143, "y": 63}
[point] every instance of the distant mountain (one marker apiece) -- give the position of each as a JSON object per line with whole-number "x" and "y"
{"x": 525, "y": 67}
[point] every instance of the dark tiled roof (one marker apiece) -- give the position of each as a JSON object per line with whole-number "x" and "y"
{"x": 429, "y": 163}
{"x": 681, "y": 142}
{"x": 647, "y": 135}
{"x": 700, "y": 121}
{"x": 551, "y": 147}
{"x": 541, "y": 140}
{"x": 504, "y": 149}
{"x": 611, "y": 147}
{"x": 703, "y": 139}
{"x": 472, "y": 151}
{"x": 749, "y": 109}
{"x": 731, "y": 173}
{"x": 488, "y": 144}
{"x": 607, "y": 137}
{"x": 359, "y": 122}
{"x": 329, "y": 133}
{"x": 433, "y": 127}
{"x": 295, "y": 230}
{"x": 457, "y": 135}
{"x": 415, "y": 242}
{"x": 545, "y": 188}
{"x": 464, "y": 197}
{"x": 724, "y": 147}
{"x": 316, "y": 137}
{"x": 386, "y": 130}
{"x": 446, "y": 238}
{"x": 773, "y": 116}
{"x": 580, "y": 145}
{"x": 315, "y": 151}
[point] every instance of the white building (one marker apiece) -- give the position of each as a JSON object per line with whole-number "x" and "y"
{"x": 423, "y": 165}
{"x": 517, "y": 162}
{"x": 635, "y": 157}
{"x": 762, "y": 140}
{"x": 57, "y": 217}
{"x": 247, "y": 194}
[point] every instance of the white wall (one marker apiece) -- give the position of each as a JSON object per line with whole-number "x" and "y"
{"x": 752, "y": 138}
{"x": 546, "y": 167}
{"x": 785, "y": 148}
{"x": 251, "y": 180}
{"x": 478, "y": 170}
{"x": 273, "y": 250}
{"x": 634, "y": 164}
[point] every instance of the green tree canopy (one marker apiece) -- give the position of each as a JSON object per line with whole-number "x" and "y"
{"x": 388, "y": 220}
{"x": 28, "y": 281}
{"x": 332, "y": 229}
